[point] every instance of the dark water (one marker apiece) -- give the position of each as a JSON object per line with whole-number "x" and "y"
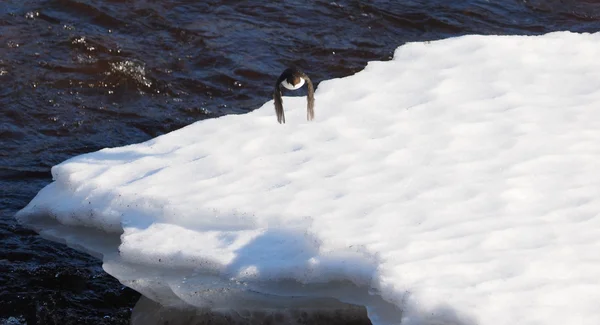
{"x": 80, "y": 75}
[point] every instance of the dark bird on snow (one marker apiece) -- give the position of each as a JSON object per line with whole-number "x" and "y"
{"x": 292, "y": 79}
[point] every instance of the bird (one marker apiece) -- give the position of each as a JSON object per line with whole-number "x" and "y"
{"x": 293, "y": 78}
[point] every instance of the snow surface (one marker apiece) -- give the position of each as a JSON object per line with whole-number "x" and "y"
{"x": 456, "y": 184}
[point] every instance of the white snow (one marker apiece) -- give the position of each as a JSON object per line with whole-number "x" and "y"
{"x": 456, "y": 184}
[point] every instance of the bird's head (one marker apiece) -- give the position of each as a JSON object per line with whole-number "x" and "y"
{"x": 293, "y": 79}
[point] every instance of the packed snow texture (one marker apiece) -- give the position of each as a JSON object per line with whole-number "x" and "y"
{"x": 456, "y": 184}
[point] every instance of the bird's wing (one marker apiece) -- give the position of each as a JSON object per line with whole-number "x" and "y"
{"x": 310, "y": 105}
{"x": 278, "y": 102}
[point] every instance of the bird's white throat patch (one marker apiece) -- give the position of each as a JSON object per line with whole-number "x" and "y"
{"x": 292, "y": 87}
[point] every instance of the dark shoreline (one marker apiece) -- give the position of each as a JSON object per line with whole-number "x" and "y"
{"x": 147, "y": 312}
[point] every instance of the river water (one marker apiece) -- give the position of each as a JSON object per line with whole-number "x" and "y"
{"x": 80, "y": 75}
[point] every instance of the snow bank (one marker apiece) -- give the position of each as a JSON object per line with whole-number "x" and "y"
{"x": 456, "y": 184}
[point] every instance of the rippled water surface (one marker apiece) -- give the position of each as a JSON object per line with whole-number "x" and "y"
{"x": 80, "y": 75}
